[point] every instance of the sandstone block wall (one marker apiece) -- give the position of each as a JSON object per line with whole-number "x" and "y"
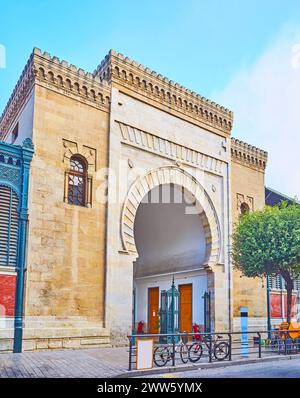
{"x": 247, "y": 186}
{"x": 65, "y": 282}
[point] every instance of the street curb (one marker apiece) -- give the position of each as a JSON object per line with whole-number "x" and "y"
{"x": 215, "y": 365}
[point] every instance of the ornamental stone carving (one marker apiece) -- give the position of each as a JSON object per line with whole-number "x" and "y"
{"x": 71, "y": 148}
{"x": 241, "y": 199}
{"x": 152, "y": 143}
{"x": 203, "y": 207}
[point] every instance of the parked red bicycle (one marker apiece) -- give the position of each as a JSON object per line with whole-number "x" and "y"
{"x": 220, "y": 349}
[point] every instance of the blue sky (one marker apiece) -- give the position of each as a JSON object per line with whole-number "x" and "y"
{"x": 208, "y": 46}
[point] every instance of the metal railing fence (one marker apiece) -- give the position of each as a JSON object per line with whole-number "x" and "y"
{"x": 175, "y": 349}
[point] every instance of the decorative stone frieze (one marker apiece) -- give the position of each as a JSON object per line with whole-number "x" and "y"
{"x": 120, "y": 69}
{"x": 155, "y": 144}
{"x": 248, "y": 155}
{"x": 71, "y": 148}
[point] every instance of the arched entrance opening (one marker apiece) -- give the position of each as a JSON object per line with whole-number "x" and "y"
{"x": 121, "y": 312}
{"x": 172, "y": 241}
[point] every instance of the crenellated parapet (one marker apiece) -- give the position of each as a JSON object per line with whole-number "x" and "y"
{"x": 18, "y": 97}
{"x": 125, "y": 72}
{"x": 60, "y": 76}
{"x": 70, "y": 80}
{"x": 249, "y": 155}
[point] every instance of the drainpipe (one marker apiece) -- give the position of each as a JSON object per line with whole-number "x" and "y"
{"x": 27, "y": 153}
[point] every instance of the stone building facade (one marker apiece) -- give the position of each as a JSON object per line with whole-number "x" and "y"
{"x": 99, "y": 255}
{"x": 248, "y": 193}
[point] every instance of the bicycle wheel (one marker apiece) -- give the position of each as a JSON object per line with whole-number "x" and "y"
{"x": 184, "y": 353}
{"x": 195, "y": 352}
{"x": 161, "y": 356}
{"x": 221, "y": 350}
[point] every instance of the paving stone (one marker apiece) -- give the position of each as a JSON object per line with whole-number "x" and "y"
{"x": 101, "y": 362}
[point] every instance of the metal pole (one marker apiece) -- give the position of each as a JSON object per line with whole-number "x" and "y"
{"x": 18, "y": 333}
{"x": 230, "y": 346}
{"x": 130, "y": 353}
{"x": 174, "y": 351}
{"x": 27, "y": 152}
{"x": 209, "y": 313}
{"x": 173, "y": 307}
{"x": 205, "y": 305}
{"x": 259, "y": 345}
{"x": 269, "y": 308}
{"x": 173, "y": 321}
{"x": 133, "y": 314}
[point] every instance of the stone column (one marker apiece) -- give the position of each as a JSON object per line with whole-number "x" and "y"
{"x": 218, "y": 287}
{"x": 119, "y": 297}
{"x": 119, "y": 263}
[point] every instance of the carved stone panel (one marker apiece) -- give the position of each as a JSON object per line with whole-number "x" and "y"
{"x": 242, "y": 199}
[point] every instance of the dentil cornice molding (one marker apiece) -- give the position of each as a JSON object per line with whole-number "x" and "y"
{"x": 248, "y": 155}
{"x": 116, "y": 68}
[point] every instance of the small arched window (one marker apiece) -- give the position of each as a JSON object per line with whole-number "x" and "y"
{"x": 77, "y": 181}
{"x": 245, "y": 209}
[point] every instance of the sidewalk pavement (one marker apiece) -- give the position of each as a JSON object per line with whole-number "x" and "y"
{"x": 97, "y": 363}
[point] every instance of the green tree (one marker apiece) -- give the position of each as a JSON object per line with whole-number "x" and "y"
{"x": 267, "y": 242}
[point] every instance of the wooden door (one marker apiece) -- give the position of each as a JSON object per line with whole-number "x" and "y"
{"x": 153, "y": 308}
{"x": 186, "y": 308}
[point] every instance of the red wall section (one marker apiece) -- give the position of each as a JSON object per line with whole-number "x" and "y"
{"x": 7, "y": 294}
{"x": 276, "y": 310}
{"x": 275, "y": 301}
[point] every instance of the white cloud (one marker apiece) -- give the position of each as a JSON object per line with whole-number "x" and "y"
{"x": 265, "y": 98}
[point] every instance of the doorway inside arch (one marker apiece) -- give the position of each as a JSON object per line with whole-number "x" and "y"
{"x": 171, "y": 243}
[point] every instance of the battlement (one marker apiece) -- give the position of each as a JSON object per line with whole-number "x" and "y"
{"x": 249, "y": 155}
{"x": 61, "y": 76}
{"x": 17, "y": 98}
{"x": 120, "y": 69}
{"x": 58, "y": 75}
{"x": 67, "y": 67}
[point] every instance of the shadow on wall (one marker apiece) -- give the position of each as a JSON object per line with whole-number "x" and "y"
{"x": 167, "y": 239}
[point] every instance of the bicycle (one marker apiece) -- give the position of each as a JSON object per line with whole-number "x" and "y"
{"x": 220, "y": 349}
{"x": 163, "y": 354}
